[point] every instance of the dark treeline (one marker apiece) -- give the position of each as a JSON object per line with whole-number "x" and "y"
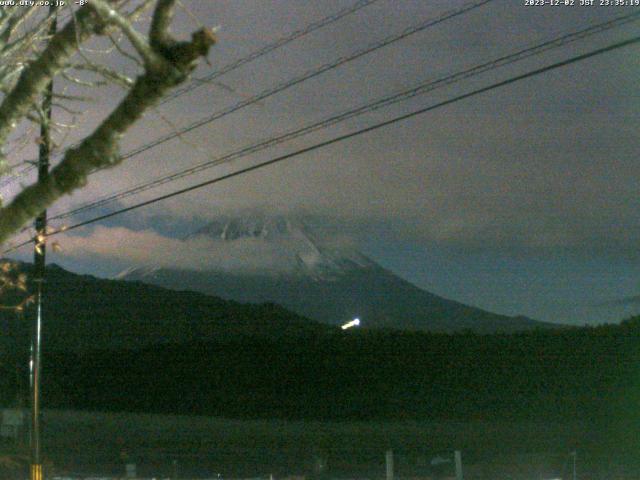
{"x": 590, "y": 374}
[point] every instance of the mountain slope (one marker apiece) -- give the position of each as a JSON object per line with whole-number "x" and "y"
{"x": 323, "y": 279}
{"x": 374, "y": 294}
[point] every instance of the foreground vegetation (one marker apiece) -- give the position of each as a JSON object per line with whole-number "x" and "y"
{"x": 350, "y": 395}
{"x": 583, "y": 374}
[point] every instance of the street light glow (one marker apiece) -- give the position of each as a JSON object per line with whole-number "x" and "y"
{"x": 353, "y": 323}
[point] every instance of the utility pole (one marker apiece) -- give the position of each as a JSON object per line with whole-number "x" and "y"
{"x": 39, "y": 274}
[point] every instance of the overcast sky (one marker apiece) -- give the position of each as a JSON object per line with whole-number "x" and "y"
{"x": 523, "y": 200}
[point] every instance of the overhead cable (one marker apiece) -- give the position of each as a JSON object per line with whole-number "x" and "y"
{"x": 420, "y": 89}
{"x": 317, "y": 146}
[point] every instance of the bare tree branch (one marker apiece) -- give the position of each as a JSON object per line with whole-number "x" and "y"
{"x": 175, "y": 61}
{"x": 162, "y": 17}
{"x": 139, "y": 42}
{"x": 34, "y": 78}
{"x": 107, "y": 73}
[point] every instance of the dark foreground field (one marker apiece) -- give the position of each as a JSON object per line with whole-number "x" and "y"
{"x": 163, "y": 446}
{"x": 508, "y": 402}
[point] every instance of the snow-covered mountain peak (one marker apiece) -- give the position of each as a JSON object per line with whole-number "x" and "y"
{"x": 292, "y": 244}
{"x": 309, "y": 265}
{"x": 250, "y": 226}
{"x": 143, "y": 271}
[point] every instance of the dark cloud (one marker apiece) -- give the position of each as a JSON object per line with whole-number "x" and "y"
{"x": 633, "y": 301}
{"x": 547, "y": 163}
{"x": 545, "y": 151}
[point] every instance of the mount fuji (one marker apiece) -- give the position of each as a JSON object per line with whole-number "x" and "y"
{"x": 287, "y": 261}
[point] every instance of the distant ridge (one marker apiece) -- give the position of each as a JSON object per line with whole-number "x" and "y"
{"x": 85, "y": 312}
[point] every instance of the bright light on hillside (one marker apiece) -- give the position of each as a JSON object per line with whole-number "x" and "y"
{"x": 353, "y": 323}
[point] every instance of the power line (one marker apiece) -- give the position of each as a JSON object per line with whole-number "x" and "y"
{"x": 269, "y": 48}
{"x": 14, "y": 175}
{"x": 281, "y": 42}
{"x": 383, "y": 102}
{"x": 309, "y": 75}
{"x": 347, "y": 136}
